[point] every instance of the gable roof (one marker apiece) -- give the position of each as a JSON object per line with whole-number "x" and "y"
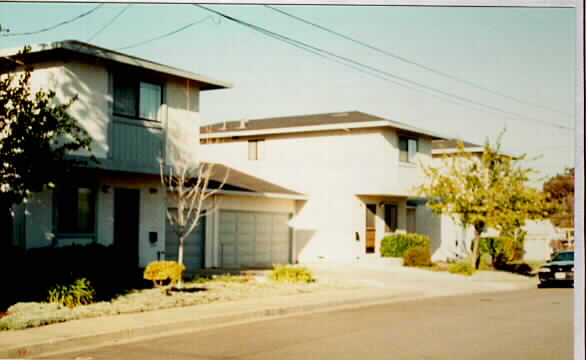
{"x": 307, "y": 123}
{"x": 68, "y": 47}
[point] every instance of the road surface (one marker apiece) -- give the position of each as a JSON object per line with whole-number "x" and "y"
{"x": 529, "y": 324}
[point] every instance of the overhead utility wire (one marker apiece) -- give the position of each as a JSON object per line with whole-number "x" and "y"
{"x": 109, "y": 23}
{"x": 411, "y": 62}
{"x": 385, "y": 73}
{"x": 56, "y": 25}
{"x": 165, "y": 35}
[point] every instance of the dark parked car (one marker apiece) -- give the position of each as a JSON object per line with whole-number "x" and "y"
{"x": 560, "y": 269}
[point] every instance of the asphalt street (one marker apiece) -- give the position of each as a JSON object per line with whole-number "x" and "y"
{"x": 527, "y": 324}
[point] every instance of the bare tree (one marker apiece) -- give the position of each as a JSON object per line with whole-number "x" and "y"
{"x": 191, "y": 189}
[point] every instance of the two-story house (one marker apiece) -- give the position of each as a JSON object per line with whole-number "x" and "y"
{"x": 356, "y": 170}
{"x": 136, "y": 112}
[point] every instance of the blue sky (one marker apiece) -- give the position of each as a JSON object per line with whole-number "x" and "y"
{"x": 525, "y": 53}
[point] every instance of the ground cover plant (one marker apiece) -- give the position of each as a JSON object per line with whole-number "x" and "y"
{"x": 291, "y": 274}
{"x": 199, "y": 291}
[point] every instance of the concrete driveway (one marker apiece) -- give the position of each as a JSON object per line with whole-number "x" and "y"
{"x": 432, "y": 283}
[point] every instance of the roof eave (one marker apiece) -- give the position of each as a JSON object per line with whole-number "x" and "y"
{"x": 110, "y": 55}
{"x": 312, "y": 128}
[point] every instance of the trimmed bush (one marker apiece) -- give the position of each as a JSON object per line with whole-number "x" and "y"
{"x": 80, "y": 292}
{"x": 417, "y": 256}
{"x": 395, "y": 245}
{"x": 164, "y": 274}
{"x": 461, "y": 268}
{"x": 291, "y": 274}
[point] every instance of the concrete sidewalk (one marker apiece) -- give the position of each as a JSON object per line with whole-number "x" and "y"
{"x": 380, "y": 285}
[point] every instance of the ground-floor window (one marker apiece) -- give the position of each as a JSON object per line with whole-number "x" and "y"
{"x": 391, "y": 216}
{"x": 75, "y": 209}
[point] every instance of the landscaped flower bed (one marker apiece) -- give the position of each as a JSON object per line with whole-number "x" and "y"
{"x": 225, "y": 288}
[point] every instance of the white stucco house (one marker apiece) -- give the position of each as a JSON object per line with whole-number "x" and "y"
{"x": 136, "y": 112}
{"x": 356, "y": 170}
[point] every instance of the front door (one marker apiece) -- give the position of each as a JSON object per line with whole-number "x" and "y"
{"x": 370, "y": 228}
{"x": 126, "y": 224}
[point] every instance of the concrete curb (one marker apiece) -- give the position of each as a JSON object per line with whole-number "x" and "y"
{"x": 130, "y": 334}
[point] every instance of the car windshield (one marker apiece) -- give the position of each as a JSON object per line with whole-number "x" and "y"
{"x": 565, "y": 256}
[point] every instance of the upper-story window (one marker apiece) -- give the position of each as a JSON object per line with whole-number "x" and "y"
{"x": 137, "y": 99}
{"x": 408, "y": 148}
{"x": 255, "y": 149}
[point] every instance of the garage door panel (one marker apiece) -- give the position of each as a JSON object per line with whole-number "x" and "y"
{"x": 259, "y": 239}
{"x": 228, "y": 255}
{"x": 193, "y": 247}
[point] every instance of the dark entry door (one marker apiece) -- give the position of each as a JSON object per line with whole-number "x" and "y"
{"x": 370, "y": 228}
{"x": 126, "y": 224}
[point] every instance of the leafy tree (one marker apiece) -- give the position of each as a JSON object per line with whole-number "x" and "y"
{"x": 561, "y": 189}
{"x": 489, "y": 191}
{"x": 35, "y": 135}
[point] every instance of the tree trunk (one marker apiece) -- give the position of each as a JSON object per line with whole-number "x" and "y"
{"x": 180, "y": 257}
{"x": 180, "y": 250}
{"x": 475, "y": 256}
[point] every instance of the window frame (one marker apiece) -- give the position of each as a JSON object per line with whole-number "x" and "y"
{"x": 410, "y": 157}
{"x": 256, "y": 153}
{"x": 135, "y": 83}
{"x": 58, "y": 200}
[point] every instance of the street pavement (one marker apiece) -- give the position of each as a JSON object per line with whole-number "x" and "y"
{"x": 523, "y": 324}
{"x": 382, "y": 284}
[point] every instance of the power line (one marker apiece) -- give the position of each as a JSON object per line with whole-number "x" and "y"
{"x": 109, "y": 23}
{"x": 56, "y": 25}
{"x": 411, "y": 62}
{"x": 166, "y": 35}
{"x": 386, "y": 74}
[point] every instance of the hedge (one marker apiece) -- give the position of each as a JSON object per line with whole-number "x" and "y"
{"x": 395, "y": 245}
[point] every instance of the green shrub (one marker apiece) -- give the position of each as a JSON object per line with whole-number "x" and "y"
{"x": 461, "y": 268}
{"x": 291, "y": 274}
{"x": 503, "y": 249}
{"x": 417, "y": 256}
{"x": 395, "y": 245}
{"x": 80, "y": 292}
{"x": 164, "y": 274}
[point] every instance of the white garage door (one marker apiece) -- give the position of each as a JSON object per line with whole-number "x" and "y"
{"x": 193, "y": 248}
{"x": 250, "y": 239}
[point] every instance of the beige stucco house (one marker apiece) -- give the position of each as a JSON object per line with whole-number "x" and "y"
{"x": 356, "y": 170}
{"x": 136, "y": 112}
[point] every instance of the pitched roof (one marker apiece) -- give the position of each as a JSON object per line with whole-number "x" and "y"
{"x": 239, "y": 181}
{"x": 55, "y": 49}
{"x": 451, "y": 144}
{"x": 301, "y": 123}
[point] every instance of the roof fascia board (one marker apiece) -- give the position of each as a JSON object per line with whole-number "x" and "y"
{"x": 297, "y": 129}
{"x": 119, "y": 58}
{"x": 262, "y": 194}
{"x": 457, "y": 151}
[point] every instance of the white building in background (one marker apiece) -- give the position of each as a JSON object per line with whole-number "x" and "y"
{"x": 356, "y": 170}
